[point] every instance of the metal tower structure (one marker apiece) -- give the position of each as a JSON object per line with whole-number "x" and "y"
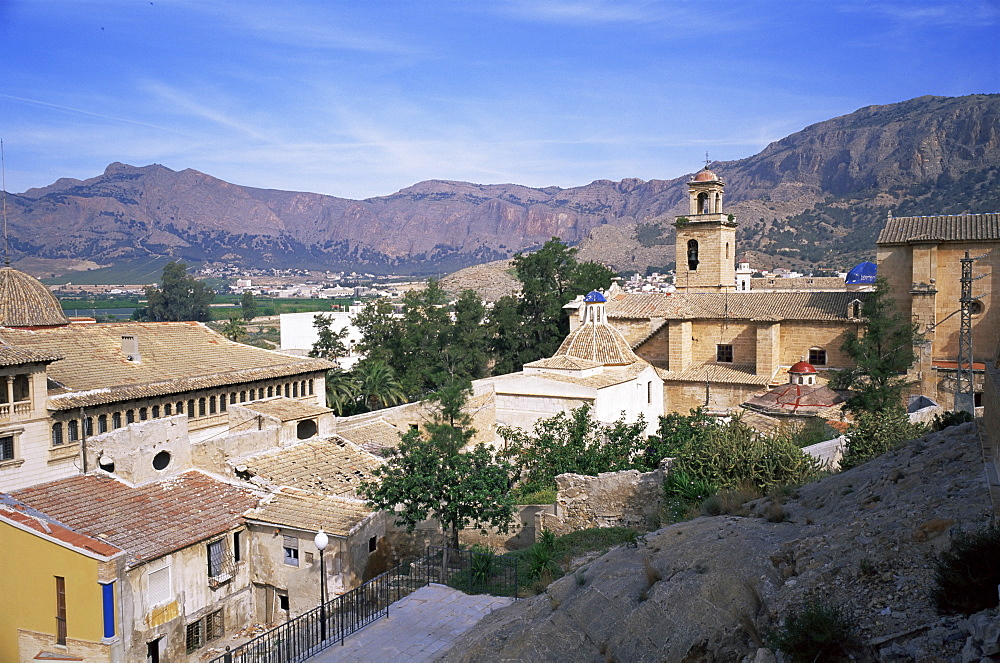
{"x": 964, "y": 386}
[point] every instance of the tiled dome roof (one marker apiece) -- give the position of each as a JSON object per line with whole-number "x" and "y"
{"x": 598, "y": 342}
{"x": 705, "y": 176}
{"x": 594, "y": 296}
{"x": 25, "y": 302}
{"x": 802, "y": 367}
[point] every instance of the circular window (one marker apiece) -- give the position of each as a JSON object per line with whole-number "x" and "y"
{"x": 976, "y": 307}
{"x": 161, "y": 460}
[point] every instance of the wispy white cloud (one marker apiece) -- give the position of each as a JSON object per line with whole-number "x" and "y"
{"x": 187, "y": 104}
{"x": 87, "y": 113}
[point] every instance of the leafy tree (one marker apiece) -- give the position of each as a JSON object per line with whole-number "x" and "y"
{"x": 376, "y": 385}
{"x": 881, "y": 356}
{"x": 249, "y": 306}
{"x": 329, "y": 344}
{"x": 572, "y": 442}
{"x": 234, "y": 329}
{"x": 433, "y": 475}
{"x": 179, "y": 297}
{"x": 467, "y": 351}
{"x": 341, "y": 392}
{"x": 532, "y": 325}
{"x": 874, "y": 433}
{"x": 380, "y": 330}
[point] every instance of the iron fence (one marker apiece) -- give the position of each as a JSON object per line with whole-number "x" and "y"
{"x": 472, "y": 572}
{"x": 313, "y": 631}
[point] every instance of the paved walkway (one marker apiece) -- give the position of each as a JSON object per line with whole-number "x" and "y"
{"x": 419, "y": 627}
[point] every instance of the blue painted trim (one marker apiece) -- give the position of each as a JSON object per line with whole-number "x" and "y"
{"x": 108, "y": 591}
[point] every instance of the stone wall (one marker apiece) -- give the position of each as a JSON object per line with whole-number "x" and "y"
{"x": 991, "y": 413}
{"x": 611, "y": 499}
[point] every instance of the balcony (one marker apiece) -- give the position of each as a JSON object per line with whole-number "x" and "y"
{"x": 22, "y": 408}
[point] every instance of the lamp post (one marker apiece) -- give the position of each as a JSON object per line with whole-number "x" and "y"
{"x": 321, "y": 540}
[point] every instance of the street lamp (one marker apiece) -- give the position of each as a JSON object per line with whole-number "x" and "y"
{"x": 321, "y": 540}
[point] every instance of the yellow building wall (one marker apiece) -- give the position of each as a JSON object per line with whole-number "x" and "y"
{"x": 30, "y": 564}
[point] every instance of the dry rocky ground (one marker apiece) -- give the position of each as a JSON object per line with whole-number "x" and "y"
{"x": 709, "y": 589}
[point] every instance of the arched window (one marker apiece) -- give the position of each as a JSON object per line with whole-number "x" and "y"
{"x": 143, "y": 414}
{"x": 702, "y": 203}
{"x": 693, "y": 255}
{"x": 167, "y": 409}
{"x": 201, "y": 406}
{"x": 211, "y": 404}
{"x": 57, "y": 434}
{"x": 88, "y": 427}
{"x": 855, "y": 310}
{"x": 222, "y": 403}
{"x": 270, "y": 390}
{"x": 243, "y": 397}
{"x": 718, "y": 202}
{"x": 180, "y": 407}
{"x": 156, "y": 412}
{"x": 311, "y": 392}
{"x": 116, "y": 420}
{"x": 102, "y": 424}
{"x": 191, "y": 409}
{"x": 288, "y": 390}
{"x": 295, "y": 389}
{"x": 727, "y": 249}
{"x": 130, "y": 416}
{"x": 74, "y": 431}
{"x": 252, "y": 395}
{"x": 232, "y": 397}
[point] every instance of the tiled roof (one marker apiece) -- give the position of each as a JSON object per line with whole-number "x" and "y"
{"x": 565, "y": 362}
{"x": 175, "y": 357}
{"x": 599, "y": 342}
{"x": 25, "y": 302}
{"x": 332, "y": 466}
{"x": 833, "y": 283}
{"x": 146, "y": 521}
{"x": 290, "y": 507}
{"x": 952, "y": 227}
{"x": 795, "y": 399}
{"x": 12, "y": 356}
{"x": 724, "y": 373}
{"x": 776, "y": 306}
{"x": 18, "y": 512}
{"x": 286, "y": 409}
{"x": 375, "y": 437}
{"x": 610, "y": 376}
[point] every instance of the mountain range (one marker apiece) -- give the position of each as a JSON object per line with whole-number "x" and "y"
{"x": 816, "y": 197}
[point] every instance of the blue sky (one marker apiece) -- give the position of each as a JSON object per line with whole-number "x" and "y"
{"x": 360, "y": 99}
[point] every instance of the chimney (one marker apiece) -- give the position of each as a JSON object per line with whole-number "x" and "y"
{"x": 130, "y": 348}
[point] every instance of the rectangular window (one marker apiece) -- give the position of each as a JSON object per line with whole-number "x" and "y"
{"x": 22, "y": 388}
{"x": 60, "y": 610}
{"x": 216, "y": 556}
{"x": 372, "y": 544}
{"x": 724, "y": 353}
{"x": 291, "y": 548}
{"x": 817, "y": 356}
{"x": 194, "y": 636}
{"x": 159, "y": 586}
{"x": 649, "y": 392}
{"x": 57, "y": 434}
{"x": 236, "y": 547}
{"x": 7, "y": 447}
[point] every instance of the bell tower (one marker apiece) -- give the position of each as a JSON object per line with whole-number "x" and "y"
{"x": 705, "y": 246}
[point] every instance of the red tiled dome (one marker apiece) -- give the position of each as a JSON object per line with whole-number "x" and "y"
{"x": 802, "y": 367}
{"x": 705, "y": 176}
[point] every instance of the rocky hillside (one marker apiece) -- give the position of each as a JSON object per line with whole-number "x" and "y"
{"x": 818, "y": 195}
{"x": 708, "y": 589}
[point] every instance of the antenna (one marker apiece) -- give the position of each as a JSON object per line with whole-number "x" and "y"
{"x": 706, "y": 159}
{"x": 3, "y": 183}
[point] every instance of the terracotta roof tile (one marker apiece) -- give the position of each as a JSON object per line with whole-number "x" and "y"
{"x": 795, "y": 399}
{"x": 25, "y": 302}
{"x": 18, "y": 512}
{"x": 147, "y": 521}
{"x": 724, "y": 373}
{"x": 290, "y": 507}
{"x": 777, "y": 306}
{"x": 175, "y": 357}
{"x": 332, "y": 466}
{"x": 565, "y": 362}
{"x": 600, "y": 343}
{"x": 831, "y": 283}
{"x": 375, "y": 437}
{"x": 610, "y": 376}
{"x": 951, "y": 227}
{"x": 286, "y": 409}
{"x": 14, "y": 356}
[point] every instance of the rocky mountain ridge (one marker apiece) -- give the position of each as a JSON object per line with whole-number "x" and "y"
{"x": 844, "y": 172}
{"x": 711, "y": 588}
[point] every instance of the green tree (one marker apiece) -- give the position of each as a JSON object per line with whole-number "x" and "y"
{"x": 234, "y": 329}
{"x": 533, "y": 324}
{"x": 249, "y": 306}
{"x": 572, "y": 442}
{"x": 881, "y": 355}
{"x": 467, "y": 350}
{"x": 433, "y": 475}
{"x": 329, "y": 344}
{"x": 380, "y": 330}
{"x": 872, "y": 434}
{"x": 179, "y": 297}
{"x": 376, "y": 385}
{"x": 341, "y": 392}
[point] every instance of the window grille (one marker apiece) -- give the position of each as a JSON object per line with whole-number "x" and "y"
{"x": 57, "y": 434}
{"x": 817, "y": 356}
{"x": 194, "y": 636}
{"x": 724, "y": 353}
{"x": 7, "y": 447}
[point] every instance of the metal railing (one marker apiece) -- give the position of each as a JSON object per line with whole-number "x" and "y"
{"x": 313, "y": 631}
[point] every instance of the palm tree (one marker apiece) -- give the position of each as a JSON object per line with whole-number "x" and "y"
{"x": 341, "y": 391}
{"x": 377, "y": 385}
{"x": 235, "y": 329}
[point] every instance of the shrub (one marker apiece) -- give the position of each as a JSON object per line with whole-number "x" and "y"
{"x": 874, "y": 433}
{"x": 951, "y": 418}
{"x": 967, "y": 575}
{"x": 821, "y": 632}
